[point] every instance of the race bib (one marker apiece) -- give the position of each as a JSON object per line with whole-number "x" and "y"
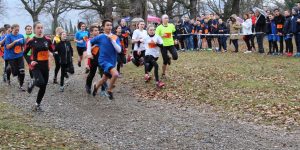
{"x": 151, "y": 44}
{"x": 86, "y": 38}
{"x": 167, "y": 35}
{"x": 95, "y": 50}
{"x": 42, "y": 55}
{"x": 279, "y": 26}
{"x": 18, "y": 49}
{"x": 113, "y": 37}
{"x": 206, "y": 31}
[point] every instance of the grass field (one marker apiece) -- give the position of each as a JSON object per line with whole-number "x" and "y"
{"x": 18, "y": 132}
{"x": 257, "y": 88}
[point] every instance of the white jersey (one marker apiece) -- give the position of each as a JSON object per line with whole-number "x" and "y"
{"x": 151, "y": 47}
{"x": 137, "y": 35}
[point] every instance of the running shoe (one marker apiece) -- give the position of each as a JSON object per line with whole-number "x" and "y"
{"x": 30, "y": 87}
{"x": 129, "y": 58}
{"x": 104, "y": 94}
{"x": 160, "y": 84}
{"x": 22, "y": 88}
{"x": 297, "y": 55}
{"x": 61, "y": 88}
{"x": 95, "y": 90}
{"x": 87, "y": 70}
{"x": 88, "y": 89}
{"x": 66, "y": 75}
{"x": 110, "y": 95}
{"x": 289, "y": 54}
{"x": 37, "y": 108}
{"x": 55, "y": 81}
{"x": 147, "y": 78}
{"x": 247, "y": 52}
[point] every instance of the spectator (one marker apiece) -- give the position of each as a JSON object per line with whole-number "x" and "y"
{"x": 180, "y": 39}
{"x": 253, "y": 18}
{"x": 287, "y": 33}
{"x": 247, "y": 31}
{"x": 295, "y": 27}
{"x": 260, "y": 29}
{"x": 199, "y": 31}
{"x": 272, "y": 36}
{"x": 279, "y": 21}
{"x": 235, "y": 27}
{"x": 222, "y": 29}
{"x": 189, "y": 38}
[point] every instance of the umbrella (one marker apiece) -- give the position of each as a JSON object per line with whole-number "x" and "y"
{"x": 153, "y": 19}
{"x": 240, "y": 20}
{"x": 260, "y": 11}
{"x": 137, "y": 19}
{"x": 127, "y": 19}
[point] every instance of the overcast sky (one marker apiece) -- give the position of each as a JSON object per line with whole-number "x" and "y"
{"x": 15, "y": 13}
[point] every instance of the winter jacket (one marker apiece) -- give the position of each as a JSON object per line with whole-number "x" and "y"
{"x": 279, "y": 21}
{"x": 65, "y": 51}
{"x": 247, "y": 27}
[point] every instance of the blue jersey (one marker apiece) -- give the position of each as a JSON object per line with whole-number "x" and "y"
{"x": 81, "y": 35}
{"x": 108, "y": 53}
{"x": 17, "y": 50}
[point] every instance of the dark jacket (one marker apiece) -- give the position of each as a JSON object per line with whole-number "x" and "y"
{"x": 260, "y": 25}
{"x": 223, "y": 27}
{"x": 188, "y": 27}
{"x": 65, "y": 51}
{"x": 295, "y": 26}
{"x": 279, "y": 21}
{"x": 287, "y": 26}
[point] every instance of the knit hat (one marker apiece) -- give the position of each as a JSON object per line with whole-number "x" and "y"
{"x": 296, "y": 9}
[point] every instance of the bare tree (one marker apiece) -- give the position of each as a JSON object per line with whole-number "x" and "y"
{"x": 104, "y": 8}
{"x": 56, "y": 8}
{"x": 139, "y": 9}
{"x": 34, "y": 7}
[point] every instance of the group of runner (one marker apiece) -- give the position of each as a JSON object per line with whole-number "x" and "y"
{"x": 103, "y": 46}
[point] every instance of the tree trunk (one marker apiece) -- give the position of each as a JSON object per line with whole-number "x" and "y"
{"x": 139, "y": 9}
{"x": 55, "y": 23}
{"x": 193, "y": 8}
{"x": 108, "y": 9}
{"x": 236, "y": 7}
{"x": 169, "y": 10}
{"x": 35, "y": 17}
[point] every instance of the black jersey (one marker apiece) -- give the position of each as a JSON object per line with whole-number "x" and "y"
{"x": 40, "y": 48}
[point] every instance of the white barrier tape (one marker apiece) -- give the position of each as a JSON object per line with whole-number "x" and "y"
{"x": 231, "y": 34}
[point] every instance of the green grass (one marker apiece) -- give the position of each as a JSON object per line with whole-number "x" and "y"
{"x": 18, "y": 132}
{"x": 266, "y": 89}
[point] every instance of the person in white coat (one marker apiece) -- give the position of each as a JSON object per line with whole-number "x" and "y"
{"x": 247, "y": 31}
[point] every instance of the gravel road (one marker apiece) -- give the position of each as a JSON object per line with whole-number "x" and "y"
{"x": 130, "y": 123}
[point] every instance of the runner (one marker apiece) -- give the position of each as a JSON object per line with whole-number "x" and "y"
{"x": 2, "y": 41}
{"x": 6, "y": 70}
{"x": 125, "y": 33}
{"x": 40, "y": 47}
{"x": 64, "y": 49}
{"x": 93, "y": 54}
{"x": 28, "y": 36}
{"x": 14, "y": 44}
{"x": 81, "y": 37}
{"x": 139, "y": 47}
{"x": 166, "y": 30}
{"x": 121, "y": 56}
{"x": 56, "y": 40}
{"x": 109, "y": 45}
{"x": 153, "y": 44}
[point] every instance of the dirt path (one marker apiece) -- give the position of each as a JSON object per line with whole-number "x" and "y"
{"x": 128, "y": 123}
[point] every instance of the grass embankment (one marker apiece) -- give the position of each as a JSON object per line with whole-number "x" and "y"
{"x": 258, "y": 88}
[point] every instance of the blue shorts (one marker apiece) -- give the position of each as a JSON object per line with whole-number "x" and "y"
{"x": 106, "y": 66}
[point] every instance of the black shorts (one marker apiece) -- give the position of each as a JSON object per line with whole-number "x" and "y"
{"x": 80, "y": 50}
{"x": 16, "y": 65}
